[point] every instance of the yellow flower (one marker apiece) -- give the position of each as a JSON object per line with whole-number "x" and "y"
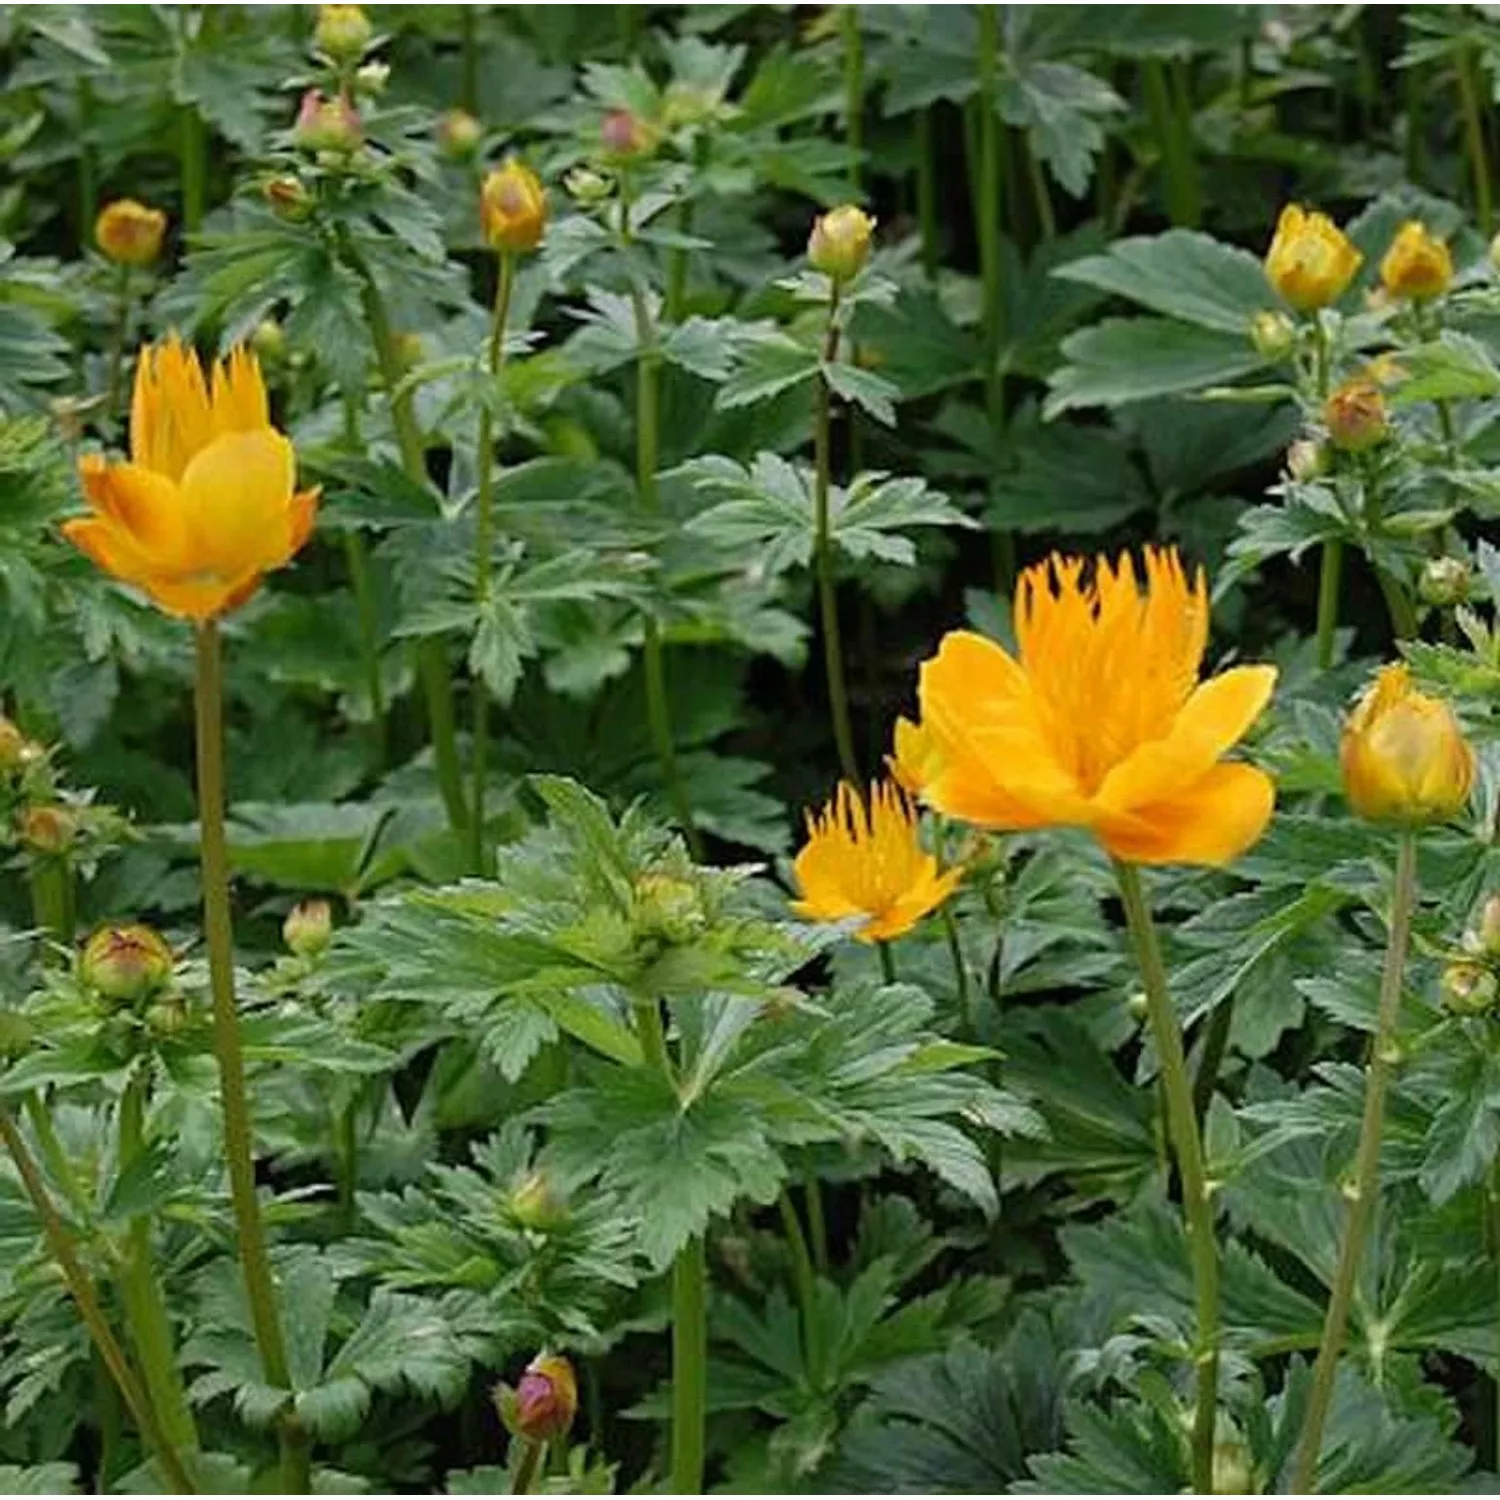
{"x": 1101, "y": 723}
{"x": 869, "y": 862}
{"x": 1310, "y": 262}
{"x": 840, "y": 242}
{"x": 513, "y": 208}
{"x": 1404, "y": 758}
{"x": 208, "y": 502}
{"x": 1417, "y": 265}
{"x": 914, "y": 759}
{"x": 344, "y": 31}
{"x": 129, "y": 233}
{"x": 1355, "y": 416}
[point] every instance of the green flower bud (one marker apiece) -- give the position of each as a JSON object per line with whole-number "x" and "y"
{"x": 1444, "y": 582}
{"x": 1468, "y": 989}
{"x": 308, "y": 928}
{"x": 1273, "y": 334}
{"x": 126, "y": 963}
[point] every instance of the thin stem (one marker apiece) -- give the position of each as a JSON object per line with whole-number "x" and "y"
{"x": 805, "y": 1280}
{"x": 484, "y": 546}
{"x": 960, "y": 968}
{"x": 1365, "y": 1191}
{"x": 468, "y": 89}
{"x": 529, "y": 1466}
{"x": 1045, "y": 216}
{"x": 260, "y": 1288}
{"x": 1329, "y": 572}
{"x": 1468, "y": 92}
{"x": 887, "y": 962}
{"x": 646, "y": 1012}
{"x": 194, "y": 159}
{"x": 117, "y": 344}
{"x": 146, "y": 1316}
{"x": 358, "y": 559}
{"x": 1167, "y": 1034}
{"x": 823, "y": 560}
{"x": 987, "y": 212}
{"x": 1184, "y": 206}
{"x": 817, "y": 1221}
{"x": 854, "y": 92}
{"x": 1215, "y": 1043}
{"x": 1493, "y": 1203}
{"x": 81, "y": 1288}
{"x": 348, "y": 1161}
{"x": 927, "y": 211}
{"x": 1398, "y": 604}
{"x": 53, "y": 1155}
{"x": 432, "y": 665}
{"x": 88, "y": 187}
{"x": 689, "y": 1366}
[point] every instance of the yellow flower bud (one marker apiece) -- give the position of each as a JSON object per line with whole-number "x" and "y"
{"x": 1272, "y": 334}
{"x": 289, "y": 199}
{"x": 46, "y": 830}
{"x": 1417, "y": 265}
{"x": 513, "y": 208}
{"x": 308, "y": 928}
{"x": 343, "y": 33}
{"x": 1311, "y": 261}
{"x": 840, "y": 242}
{"x": 129, "y": 233}
{"x": 1355, "y": 416}
{"x": 1468, "y": 989}
{"x": 13, "y": 745}
{"x": 459, "y": 134}
{"x": 1404, "y": 758}
{"x": 126, "y": 963}
{"x": 1444, "y": 582}
{"x": 1306, "y": 460}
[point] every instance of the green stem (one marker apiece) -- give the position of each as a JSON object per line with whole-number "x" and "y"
{"x": 81, "y": 1288}
{"x": 1215, "y": 1043}
{"x": 817, "y": 1221}
{"x": 1167, "y": 1034}
{"x": 107, "y": 1403}
{"x": 1046, "y": 217}
{"x": 88, "y": 188}
{"x": 432, "y": 665}
{"x": 468, "y": 89}
{"x": 646, "y": 1011}
{"x": 1328, "y": 599}
{"x": 358, "y": 559}
{"x": 987, "y": 213}
{"x": 887, "y": 962}
{"x": 193, "y": 147}
{"x": 1468, "y": 90}
{"x": 484, "y": 546}
{"x": 1493, "y": 1202}
{"x": 146, "y": 1317}
{"x": 1184, "y": 205}
{"x": 529, "y": 1466}
{"x": 260, "y": 1288}
{"x": 823, "y": 559}
{"x": 927, "y": 210}
{"x": 689, "y": 1366}
{"x": 348, "y": 1161}
{"x": 51, "y": 879}
{"x": 960, "y": 969}
{"x": 647, "y": 441}
{"x": 805, "y": 1280}
{"x": 53, "y": 1155}
{"x": 854, "y": 93}
{"x": 1365, "y": 1190}
{"x": 117, "y": 344}
{"x": 1398, "y": 604}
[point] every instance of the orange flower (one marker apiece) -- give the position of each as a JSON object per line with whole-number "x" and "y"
{"x": 129, "y": 233}
{"x": 914, "y": 758}
{"x": 1102, "y": 723}
{"x": 208, "y": 502}
{"x": 869, "y": 862}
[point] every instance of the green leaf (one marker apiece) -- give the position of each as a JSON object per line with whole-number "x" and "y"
{"x": 871, "y": 392}
{"x": 769, "y": 362}
{"x": 1457, "y": 368}
{"x": 1061, "y": 107}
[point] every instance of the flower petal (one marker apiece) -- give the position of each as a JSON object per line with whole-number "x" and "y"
{"x": 145, "y": 504}
{"x": 1211, "y": 822}
{"x": 169, "y": 411}
{"x": 1214, "y": 718}
{"x": 238, "y": 501}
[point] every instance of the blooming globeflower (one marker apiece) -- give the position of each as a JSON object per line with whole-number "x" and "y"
{"x": 208, "y": 502}
{"x": 1100, "y": 721}
{"x": 1418, "y": 265}
{"x": 1311, "y": 260}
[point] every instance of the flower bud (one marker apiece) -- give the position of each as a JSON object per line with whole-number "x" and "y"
{"x": 1137, "y": 1006}
{"x": 1417, "y": 265}
{"x": 535, "y": 1204}
{"x": 126, "y": 963}
{"x": 1234, "y": 1468}
{"x": 513, "y": 208}
{"x": 587, "y": 186}
{"x": 289, "y": 199}
{"x": 459, "y": 134}
{"x": 1355, "y": 417}
{"x": 544, "y": 1402}
{"x": 410, "y": 350}
{"x": 1273, "y": 334}
{"x": 13, "y": 748}
{"x": 1488, "y": 931}
{"x": 371, "y": 79}
{"x": 46, "y": 830}
{"x": 168, "y": 1017}
{"x": 667, "y": 908}
{"x": 1444, "y": 582}
{"x": 1306, "y": 460}
{"x": 129, "y": 233}
{"x": 623, "y": 135}
{"x": 308, "y": 928}
{"x": 1468, "y": 989}
{"x": 327, "y": 124}
{"x": 839, "y": 244}
{"x": 1311, "y": 261}
{"x": 687, "y": 104}
{"x": 1403, "y": 756}
{"x": 269, "y": 341}
{"x": 343, "y": 33}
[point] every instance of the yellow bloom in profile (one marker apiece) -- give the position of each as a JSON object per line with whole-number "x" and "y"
{"x": 1404, "y": 758}
{"x": 1101, "y": 723}
{"x": 1311, "y": 261}
{"x": 869, "y": 862}
{"x": 1418, "y": 264}
{"x": 513, "y": 208}
{"x": 914, "y": 758}
{"x": 208, "y": 502}
{"x": 129, "y": 233}
{"x": 840, "y": 242}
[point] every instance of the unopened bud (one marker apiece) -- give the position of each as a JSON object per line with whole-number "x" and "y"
{"x": 126, "y": 963}
{"x": 269, "y": 341}
{"x": 667, "y": 908}
{"x": 687, "y": 104}
{"x": 1273, "y": 334}
{"x": 343, "y": 33}
{"x": 623, "y": 135}
{"x": 289, "y": 199}
{"x": 587, "y": 186}
{"x": 308, "y": 928}
{"x": 1444, "y": 582}
{"x": 1306, "y": 460}
{"x": 410, "y": 350}
{"x": 1468, "y": 989}
{"x": 17, "y": 1032}
{"x": 169, "y": 1016}
{"x": 535, "y": 1204}
{"x": 46, "y": 830}
{"x": 513, "y": 208}
{"x": 840, "y": 242}
{"x": 1137, "y": 1006}
{"x": 371, "y": 79}
{"x": 1355, "y": 417}
{"x": 327, "y": 124}
{"x": 129, "y": 233}
{"x": 13, "y": 746}
{"x": 459, "y": 134}
{"x": 544, "y": 1402}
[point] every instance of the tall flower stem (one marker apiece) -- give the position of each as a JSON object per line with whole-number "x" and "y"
{"x": 1332, "y": 566}
{"x": 854, "y": 90}
{"x": 194, "y": 159}
{"x": 647, "y": 456}
{"x": 529, "y": 1466}
{"x": 255, "y": 1264}
{"x": 689, "y": 1366}
{"x": 52, "y": 902}
{"x": 1182, "y": 1123}
{"x": 823, "y": 562}
{"x": 1468, "y": 93}
{"x": 140, "y": 1291}
{"x": 1492, "y": 1201}
{"x": 117, "y": 344}
{"x": 432, "y": 666}
{"x": 927, "y": 210}
{"x": 1184, "y": 204}
{"x": 81, "y": 1288}
{"x": 805, "y": 1279}
{"x": 484, "y": 544}
{"x": 357, "y": 556}
{"x": 1365, "y": 1191}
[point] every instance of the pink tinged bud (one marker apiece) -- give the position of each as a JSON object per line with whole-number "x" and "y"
{"x": 327, "y": 124}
